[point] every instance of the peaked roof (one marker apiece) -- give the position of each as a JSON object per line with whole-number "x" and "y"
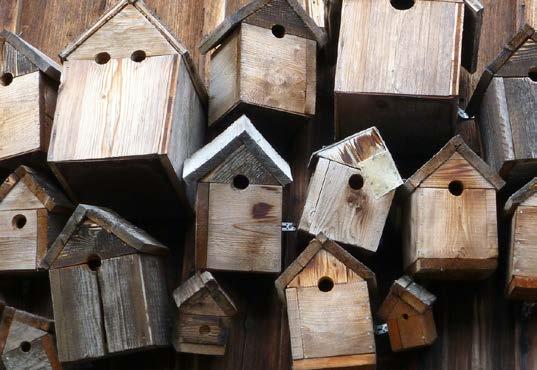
{"x": 242, "y": 131}
{"x": 215, "y": 38}
{"x": 455, "y": 145}
{"x": 111, "y": 222}
{"x": 408, "y": 291}
{"x": 521, "y": 196}
{"x": 39, "y": 59}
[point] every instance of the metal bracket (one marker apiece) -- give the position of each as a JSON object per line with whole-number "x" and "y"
{"x": 288, "y": 227}
{"x": 463, "y": 116}
{"x": 381, "y": 329}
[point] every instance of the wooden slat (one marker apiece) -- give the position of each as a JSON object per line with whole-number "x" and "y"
{"x": 295, "y": 326}
{"x": 20, "y": 197}
{"x": 18, "y": 246}
{"x": 525, "y": 237}
{"x": 191, "y": 329}
{"x": 202, "y": 225}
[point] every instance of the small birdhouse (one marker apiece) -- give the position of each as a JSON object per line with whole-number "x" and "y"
{"x": 327, "y": 294}
{"x": 240, "y": 180}
{"x": 351, "y": 190}
{"x": 204, "y": 316}
{"x": 505, "y": 101}
{"x": 130, "y": 111}
{"x": 108, "y": 285}
{"x": 28, "y": 87}
{"x": 26, "y": 341}
{"x": 522, "y": 268}
{"x": 450, "y": 229}
{"x": 32, "y": 213}
{"x": 408, "y": 311}
{"x": 266, "y": 60}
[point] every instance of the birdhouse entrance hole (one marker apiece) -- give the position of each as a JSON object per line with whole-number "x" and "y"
{"x": 26, "y": 346}
{"x": 138, "y": 56}
{"x": 532, "y": 74}
{"x": 456, "y": 187}
{"x": 356, "y": 182}
{"x": 102, "y": 58}
{"x": 325, "y": 284}
{"x": 6, "y": 79}
{"x": 278, "y": 31}
{"x": 19, "y": 221}
{"x": 404, "y": 316}
{"x": 240, "y": 182}
{"x": 402, "y": 4}
{"x": 204, "y": 330}
{"x": 94, "y": 262}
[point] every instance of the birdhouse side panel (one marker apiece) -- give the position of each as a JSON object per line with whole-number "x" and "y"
{"x": 18, "y": 240}
{"x": 39, "y": 354}
{"x": 524, "y": 242}
{"x": 203, "y": 329}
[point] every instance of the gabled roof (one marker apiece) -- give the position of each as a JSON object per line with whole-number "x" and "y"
{"x": 228, "y": 25}
{"x": 521, "y": 196}
{"x": 241, "y": 132}
{"x": 109, "y": 221}
{"x": 419, "y": 298}
{"x": 36, "y": 57}
{"x": 455, "y": 145}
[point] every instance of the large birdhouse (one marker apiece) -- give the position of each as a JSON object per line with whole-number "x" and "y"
{"x": 108, "y": 285}
{"x": 28, "y": 87}
{"x": 450, "y": 229}
{"x": 32, "y": 213}
{"x": 240, "y": 180}
{"x": 351, "y": 190}
{"x": 204, "y": 316}
{"x": 130, "y": 111}
{"x": 266, "y": 60}
{"x": 327, "y": 294}
{"x": 408, "y": 312}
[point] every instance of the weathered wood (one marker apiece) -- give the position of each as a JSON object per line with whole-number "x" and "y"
{"x": 471, "y": 37}
{"x": 363, "y": 362}
{"x": 40, "y": 356}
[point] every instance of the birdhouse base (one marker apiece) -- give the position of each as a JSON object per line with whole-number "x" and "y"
{"x": 352, "y": 362}
{"x": 453, "y": 268}
{"x": 522, "y": 288}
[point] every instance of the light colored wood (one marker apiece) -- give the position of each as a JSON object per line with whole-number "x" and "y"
{"x": 530, "y": 202}
{"x": 202, "y": 349}
{"x": 18, "y": 247}
{"x": 524, "y": 259}
{"x": 37, "y": 358}
{"x": 295, "y": 328}
{"x": 530, "y": 14}
{"x": 315, "y": 9}
{"x": 20, "y": 197}
{"x": 362, "y": 362}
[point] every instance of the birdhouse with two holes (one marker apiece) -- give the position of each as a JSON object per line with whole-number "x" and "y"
{"x": 204, "y": 316}
{"x": 32, "y": 213}
{"x": 28, "y": 87}
{"x": 351, "y": 190}
{"x": 408, "y": 312}
{"x": 450, "y": 228}
{"x": 130, "y": 111}
{"x": 240, "y": 180}
{"x": 108, "y": 285}
{"x": 266, "y": 60}
{"x": 327, "y": 294}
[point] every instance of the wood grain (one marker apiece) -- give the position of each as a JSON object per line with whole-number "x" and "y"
{"x": 18, "y": 246}
{"x": 37, "y": 358}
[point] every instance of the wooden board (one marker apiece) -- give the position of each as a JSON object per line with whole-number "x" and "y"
{"x": 20, "y": 197}
{"x": 193, "y": 329}
{"x": 18, "y": 246}
{"x": 524, "y": 242}
{"x": 41, "y": 356}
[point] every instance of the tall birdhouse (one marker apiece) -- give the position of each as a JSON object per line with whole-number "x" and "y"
{"x": 522, "y": 268}
{"x": 204, "y": 316}
{"x": 408, "y": 311}
{"x": 130, "y": 111}
{"x": 28, "y": 87}
{"x": 450, "y": 229}
{"x": 351, "y": 190}
{"x": 240, "y": 180}
{"x": 32, "y": 213}
{"x": 108, "y": 285}
{"x": 266, "y": 60}
{"x": 327, "y": 294}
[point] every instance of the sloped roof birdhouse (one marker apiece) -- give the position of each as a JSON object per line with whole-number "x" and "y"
{"x": 408, "y": 312}
{"x": 130, "y": 111}
{"x": 266, "y": 60}
{"x": 522, "y": 267}
{"x": 450, "y": 228}
{"x": 108, "y": 285}
{"x": 28, "y": 87}
{"x": 240, "y": 180}
{"x": 32, "y": 214}
{"x": 204, "y": 316}
{"x": 327, "y": 294}
{"x": 351, "y": 190}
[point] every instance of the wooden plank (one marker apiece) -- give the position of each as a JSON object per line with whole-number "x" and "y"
{"x": 18, "y": 240}
{"x": 363, "y": 362}
{"x": 323, "y": 264}
{"x": 37, "y": 358}
{"x": 524, "y": 242}
{"x": 295, "y": 326}
{"x": 202, "y": 225}
{"x": 520, "y": 63}
{"x": 203, "y": 329}
{"x": 14, "y": 62}
{"x": 9, "y": 14}
{"x": 471, "y": 37}
{"x": 20, "y": 197}
{"x": 20, "y": 332}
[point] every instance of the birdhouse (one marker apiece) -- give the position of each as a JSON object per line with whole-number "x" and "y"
{"x": 522, "y": 269}
{"x": 327, "y": 294}
{"x": 108, "y": 285}
{"x": 505, "y": 101}
{"x": 28, "y": 87}
{"x": 450, "y": 229}
{"x": 130, "y": 111}
{"x": 240, "y": 180}
{"x": 351, "y": 190}
{"x": 32, "y": 213}
{"x": 204, "y": 316}
{"x": 26, "y": 341}
{"x": 408, "y": 311}
{"x": 266, "y": 60}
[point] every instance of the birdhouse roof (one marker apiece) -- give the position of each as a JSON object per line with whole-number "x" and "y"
{"x": 521, "y": 196}
{"x": 228, "y": 25}
{"x": 409, "y": 292}
{"x": 241, "y": 132}
{"x": 36, "y": 57}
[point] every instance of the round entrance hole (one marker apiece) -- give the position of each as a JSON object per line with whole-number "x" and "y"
{"x": 402, "y": 4}
{"x": 240, "y": 182}
{"x": 456, "y": 187}
{"x": 94, "y": 262}
{"x": 19, "y": 221}
{"x": 102, "y": 58}
{"x": 356, "y": 182}
{"x": 204, "y": 330}
{"x": 6, "y": 79}
{"x": 26, "y": 346}
{"x": 138, "y": 56}
{"x": 532, "y": 74}
{"x": 404, "y": 316}
{"x": 278, "y": 31}
{"x": 325, "y": 284}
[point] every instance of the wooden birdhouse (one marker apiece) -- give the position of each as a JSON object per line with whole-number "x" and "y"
{"x": 28, "y": 87}
{"x": 130, "y": 111}
{"x": 27, "y": 341}
{"x": 240, "y": 180}
{"x": 408, "y": 311}
{"x": 108, "y": 285}
{"x": 450, "y": 229}
{"x": 32, "y": 213}
{"x": 522, "y": 268}
{"x": 351, "y": 190}
{"x": 204, "y": 316}
{"x": 327, "y": 294}
{"x": 266, "y": 60}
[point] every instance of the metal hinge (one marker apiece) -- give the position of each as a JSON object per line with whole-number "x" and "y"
{"x": 381, "y": 329}
{"x": 288, "y": 227}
